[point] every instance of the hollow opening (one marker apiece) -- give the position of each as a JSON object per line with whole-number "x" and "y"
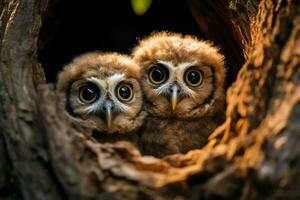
{"x": 71, "y": 28}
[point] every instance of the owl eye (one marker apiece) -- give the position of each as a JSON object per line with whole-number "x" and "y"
{"x": 88, "y": 93}
{"x": 158, "y": 74}
{"x": 124, "y": 92}
{"x": 193, "y": 77}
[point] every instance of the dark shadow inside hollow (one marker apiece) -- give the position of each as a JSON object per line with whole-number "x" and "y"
{"x": 71, "y": 28}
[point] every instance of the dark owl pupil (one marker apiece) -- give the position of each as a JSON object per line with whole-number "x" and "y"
{"x": 194, "y": 77}
{"x": 158, "y": 74}
{"x": 125, "y": 92}
{"x": 88, "y": 93}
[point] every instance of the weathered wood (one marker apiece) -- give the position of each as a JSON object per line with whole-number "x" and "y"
{"x": 253, "y": 154}
{"x": 4, "y": 169}
{"x": 263, "y": 104}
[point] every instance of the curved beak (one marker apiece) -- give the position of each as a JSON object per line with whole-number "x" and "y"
{"x": 108, "y": 107}
{"x": 174, "y": 96}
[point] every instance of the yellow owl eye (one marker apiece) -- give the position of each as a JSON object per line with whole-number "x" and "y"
{"x": 193, "y": 77}
{"x": 88, "y": 93}
{"x": 124, "y": 92}
{"x": 158, "y": 74}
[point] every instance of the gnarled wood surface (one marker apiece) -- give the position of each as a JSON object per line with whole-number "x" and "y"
{"x": 253, "y": 154}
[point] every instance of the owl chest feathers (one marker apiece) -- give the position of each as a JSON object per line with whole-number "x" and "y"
{"x": 162, "y": 137}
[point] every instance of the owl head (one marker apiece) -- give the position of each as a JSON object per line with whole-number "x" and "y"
{"x": 103, "y": 89}
{"x": 181, "y": 76}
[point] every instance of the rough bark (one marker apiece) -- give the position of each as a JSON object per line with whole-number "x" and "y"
{"x": 254, "y": 154}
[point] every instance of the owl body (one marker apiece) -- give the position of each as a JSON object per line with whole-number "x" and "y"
{"x": 182, "y": 79}
{"x": 103, "y": 91}
{"x": 170, "y": 136}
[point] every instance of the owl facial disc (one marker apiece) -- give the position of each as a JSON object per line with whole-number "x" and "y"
{"x": 102, "y": 91}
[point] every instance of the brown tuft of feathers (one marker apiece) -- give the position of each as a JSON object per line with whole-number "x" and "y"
{"x": 182, "y": 78}
{"x": 90, "y": 88}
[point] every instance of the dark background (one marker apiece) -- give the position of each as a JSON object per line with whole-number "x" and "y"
{"x": 74, "y": 27}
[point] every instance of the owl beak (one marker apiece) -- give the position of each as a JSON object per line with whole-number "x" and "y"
{"x": 174, "y": 96}
{"x": 108, "y": 107}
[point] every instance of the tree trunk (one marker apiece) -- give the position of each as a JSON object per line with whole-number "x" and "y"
{"x": 254, "y": 154}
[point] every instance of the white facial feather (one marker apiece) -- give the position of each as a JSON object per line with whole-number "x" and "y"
{"x": 96, "y": 106}
{"x": 164, "y": 88}
{"x": 175, "y": 75}
{"x": 181, "y": 68}
{"x": 112, "y": 83}
{"x": 107, "y": 89}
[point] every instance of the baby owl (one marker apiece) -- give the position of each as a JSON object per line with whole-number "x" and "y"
{"x": 182, "y": 78}
{"x": 103, "y": 90}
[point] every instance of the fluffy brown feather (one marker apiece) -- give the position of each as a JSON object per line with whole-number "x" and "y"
{"x": 199, "y": 109}
{"x": 103, "y": 71}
